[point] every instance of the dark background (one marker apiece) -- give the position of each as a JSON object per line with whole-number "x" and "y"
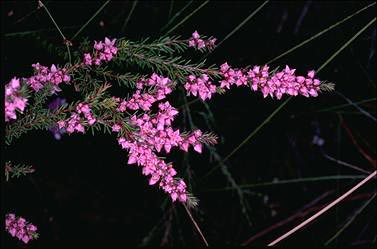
{"x": 84, "y": 194}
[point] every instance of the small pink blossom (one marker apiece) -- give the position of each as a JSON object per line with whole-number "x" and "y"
{"x": 43, "y": 75}
{"x": 201, "y": 86}
{"x": 116, "y": 128}
{"x": 162, "y": 87}
{"x": 77, "y": 120}
{"x": 198, "y": 43}
{"x": 14, "y": 100}
{"x": 104, "y": 51}
{"x": 88, "y": 59}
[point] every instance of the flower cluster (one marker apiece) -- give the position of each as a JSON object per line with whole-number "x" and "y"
{"x": 154, "y": 132}
{"x": 259, "y": 79}
{"x": 160, "y": 171}
{"x": 105, "y": 51}
{"x": 76, "y": 122}
{"x": 274, "y": 84}
{"x": 198, "y": 43}
{"x": 13, "y": 99}
{"x": 43, "y": 75}
{"x": 232, "y": 77}
{"x": 200, "y": 86}
{"x": 18, "y": 227}
{"x": 162, "y": 87}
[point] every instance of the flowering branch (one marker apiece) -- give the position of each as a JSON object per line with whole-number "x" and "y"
{"x": 142, "y": 121}
{"x": 20, "y": 228}
{"x": 16, "y": 170}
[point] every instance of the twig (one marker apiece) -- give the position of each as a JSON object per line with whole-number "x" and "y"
{"x": 171, "y": 20}
{"x": 357, "y": 106}
{"x": 320, "y": 33}
{"x": 164, "y": 240}
{"x": 287, "y": 220}
{"x": 349, "y": 133}
{"x": 65, "y": 40}
{"x": 90, "y": 19}
{"x": 358, "y": 211}
{"x": 289, "y": 181}
{"x": 128, "y": 17}
{"x": 26, "y": 16}
{"x": 307, "y": 209}
{"x": 196, "y": 226}
{"x": 286, "y": 235}
{"x": 241, "y": 24}
{"x": 347, "y": 43}
{"x": 345, "y": 164}
{"x": 187, "y": 17}
{"x": 249, "y": 136}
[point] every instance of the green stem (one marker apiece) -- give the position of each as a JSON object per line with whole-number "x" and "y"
{"x": 358, "y": 211}
{"x": 187, "y": 17}
{"x": 129, "y": 16}
{"x": 57, "y": 27}
{"x": 320, "y": 33}
{"x": 90, "y": 19}
{"x": 346, "y": 44}
{"x": 299, "y": 180}
{"x": 250, "y": 136}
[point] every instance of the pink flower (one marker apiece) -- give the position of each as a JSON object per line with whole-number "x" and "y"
{"x": 195, "y": 41}
{"x": 105, "y": 51}
{"x": 198, "y": 147}
{"x": 14, "y": 100}
{"x": 195, "y": 35}
{"x": 201, "y": 43}
{"x": 116, "y": 128}
{"x": 98, "y": 46}
{"x": 192, "y": 43}
{"x": 76, "y": 120}
{"x": 20, "y": 228}
{"x": 43, "y": 76}
{"x": 15, "y": 83}
{"x": 201, "y": 86}
{"x": 88, "y": 59}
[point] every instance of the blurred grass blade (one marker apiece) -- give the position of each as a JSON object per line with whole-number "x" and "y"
{"x": 324, "y": 210}
{"x": 290, "y": 181}
{"x": 176, "y": 15}
{"x": 331, "y": 108}
{"x": 320, "y": 33}
{"x": 288, "y": 99}
{"x": 345, "y": 164}
{"x": 236, "y": 28}
{"x": 30, "y": 32}
{"x": 347, "y": 43}
{"x": 349, "y": 222}
{"x": 128, "y": 17}
{"x": 241, "y": 24}
{"x": 27, "y": 16}
{"x": 249, "y": 136}
{"x": 57, "y": 27}
{"x": 187, "y": 17}
{"x": 170, "y": 8}
{"x": 356, "y": 106}
{"x": 90, "y": 19}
